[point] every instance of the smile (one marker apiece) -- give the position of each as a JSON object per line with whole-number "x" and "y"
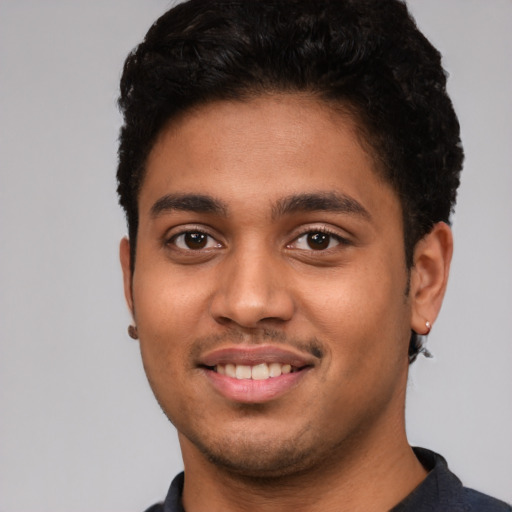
{"x": 256, "y": 374}
{"x": 261, "y": 371}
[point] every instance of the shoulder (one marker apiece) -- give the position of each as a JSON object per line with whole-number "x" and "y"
{"x": 159, "y": 507}
{"x": 442, "y": 491}
{"x": 172, "y": 502}
{"x": 476, "y": 501}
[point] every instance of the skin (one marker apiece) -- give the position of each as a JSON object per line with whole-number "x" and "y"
{"x": 340, "y": 429}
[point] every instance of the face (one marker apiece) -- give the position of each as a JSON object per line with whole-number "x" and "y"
{"x": 269, "y": 288}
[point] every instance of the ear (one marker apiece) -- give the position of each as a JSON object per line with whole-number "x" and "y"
{"x": 125, "y": 257}
{"x": 429, "y": 276}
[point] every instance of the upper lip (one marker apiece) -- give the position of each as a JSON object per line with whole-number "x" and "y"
{"x": 258, "y": 354}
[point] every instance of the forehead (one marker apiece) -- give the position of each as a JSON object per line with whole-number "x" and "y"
{"x": 252, "y": 152}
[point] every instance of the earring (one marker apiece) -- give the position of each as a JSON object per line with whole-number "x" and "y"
{"x": 428, "y": 325}
{"x": 132, "y": 332}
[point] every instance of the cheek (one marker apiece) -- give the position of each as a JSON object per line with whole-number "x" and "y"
{"x": 362, "y": 323}
{"x": 163, "y": 318}
{"x": 165, "y": 298}
{"x": 360, "y": 310}
{"x": 158, "y": 311}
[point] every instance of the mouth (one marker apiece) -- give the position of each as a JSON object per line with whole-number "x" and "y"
{"x": 255, "y": 374}
{"x": 262, "y": 371}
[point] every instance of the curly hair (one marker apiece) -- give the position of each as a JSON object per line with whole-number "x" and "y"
{"x": 366, "y": 56}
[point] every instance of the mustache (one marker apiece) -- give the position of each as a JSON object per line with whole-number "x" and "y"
{"x": 235, "y": 336}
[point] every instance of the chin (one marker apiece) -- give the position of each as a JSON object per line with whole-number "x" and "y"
{"x": 259, "y": 456}
{"x": 251, "y": 464}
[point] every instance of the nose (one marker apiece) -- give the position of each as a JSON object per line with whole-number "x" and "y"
{"x": 252, "y": 292}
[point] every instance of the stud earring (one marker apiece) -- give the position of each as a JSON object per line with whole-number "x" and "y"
{"x": 132, "y": 332}
{"x": 428, "y": 325}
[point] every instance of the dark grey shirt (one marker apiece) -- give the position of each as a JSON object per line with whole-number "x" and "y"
{"x": 441, "y": 491}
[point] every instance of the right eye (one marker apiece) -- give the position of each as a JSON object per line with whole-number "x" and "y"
{"x": 194, "y": 241}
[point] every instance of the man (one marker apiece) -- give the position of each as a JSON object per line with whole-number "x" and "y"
{"x": 288, "y": 169}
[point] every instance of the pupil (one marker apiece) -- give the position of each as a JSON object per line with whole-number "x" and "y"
{"x": 195, "y": 240}
{"x": 318, "y": 241}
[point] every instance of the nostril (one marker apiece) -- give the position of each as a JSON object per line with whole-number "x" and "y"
{"x": 224, "y": 320}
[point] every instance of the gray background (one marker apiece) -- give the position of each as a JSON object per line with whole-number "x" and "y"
{"x": 79, "y": 428}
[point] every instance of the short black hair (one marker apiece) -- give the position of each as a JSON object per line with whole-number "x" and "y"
{"x": 365, "y": 56}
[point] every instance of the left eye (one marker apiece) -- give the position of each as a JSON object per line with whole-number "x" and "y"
{"x": 316, "y": 241}
{"x": 194, "y": 240}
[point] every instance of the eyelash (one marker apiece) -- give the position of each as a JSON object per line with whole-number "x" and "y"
{"x": 321, "y": 230}
{"x": 192, "y": 231}
{"x": 172, "y": 240}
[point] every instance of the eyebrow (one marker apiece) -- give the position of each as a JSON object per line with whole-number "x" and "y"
{"x": 320, "y": 202}
{"x": 188, "y": 202}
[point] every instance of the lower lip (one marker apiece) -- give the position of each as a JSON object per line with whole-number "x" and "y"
{"x": 249, "y": 391}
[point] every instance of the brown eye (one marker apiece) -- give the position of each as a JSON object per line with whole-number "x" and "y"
{"x": 318, "y": 241}
{"x": 194, "y": 241}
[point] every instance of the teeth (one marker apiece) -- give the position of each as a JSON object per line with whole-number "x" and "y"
{"x": 274, "y": 369}
{"x": 243, "y": 372}
{"x": 230, "y": 370}
{"x": 261, "y": 371}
